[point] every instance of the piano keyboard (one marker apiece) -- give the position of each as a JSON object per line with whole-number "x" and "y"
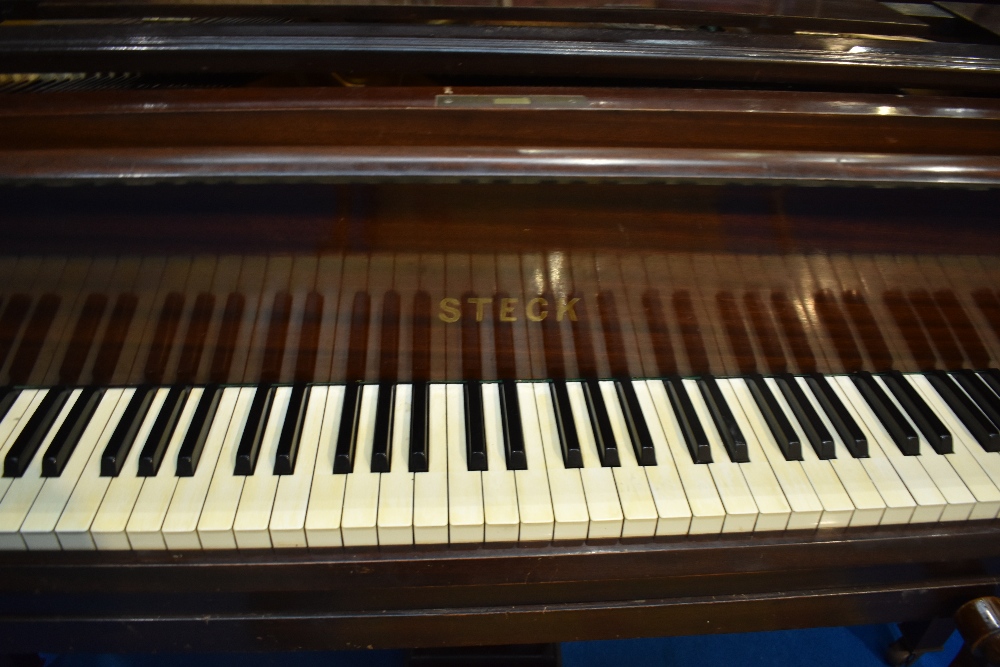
{"x": 255, "y": 402}
{"x": 325, "y": 465}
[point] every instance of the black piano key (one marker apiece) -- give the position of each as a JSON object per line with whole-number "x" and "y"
{"x": 982, "y": 429}
{"x": 604, "y": 435}
{"x": 991, "y": 376}
{"x": 68, "y": 435}
{"x": 163, "y": 429}
{"x": 7, "y": 397}
{"x": 475, "y": 427}
{"x": 892, "y": 419}
{"x": 253, "y": 432}
{"x": 725, "y": 422}
{"x": 513, "y": 435}
{"x": 197, "y": 433}
{"x": 117, "y": 449}
{"x": 418, "y": 428}
{"x": 980, "y": 393}
{"x": 842, "y": 420}
{"x": 816, "y": 432}
{"x": 568, "y": 437}
{"x": 781, "y": 428}
{"x": 642, "y": 441}
{"x": 687, "y": 418}
{"x": 382, "y": 441}
{"x": 291, "y": 430}
{"x": 343, "y": 458}
{"x": 30, "y": 439}
{"x": 918, "y": 410}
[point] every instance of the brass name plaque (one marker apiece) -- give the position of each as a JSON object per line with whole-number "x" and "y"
{"x": 510, "y": 309}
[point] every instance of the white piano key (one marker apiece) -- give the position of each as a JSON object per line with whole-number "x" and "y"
{"x": 775, "y": 512}
{"x": 108, "y": 529}
{"x": 868, "y": 482}
{"x": 741, "y": 510}
{"x": 634, "y": 494}
{"x": 534, "y": 502}
{"x": 930, "y": 502}
{"x": 254, "y": 512}
{"x": 38, "y": 529}
{"x": 73, "y": 528}
{"x": 13, "y": 423}
{"x": 979, "y": 468}
{"x": 900, "y": 505}
{"x": 215, "y": 525}
{"x": 673, "y": 511}
{"x": 395, "y": 491}
{"x": 805, "y": 506}
{"x": 430, "y": 489}
{"x": 359, "y": 525}
{"x": 466, "y": 523}
{"x": 838, "y": 509}
{"x": 959, "y": 500}
{"x": 146, "y": 522}
{"x": 603, "y": 506}
{"x": 568, "y": 502}
{"x": 291, "y": 501}
{"x": 180, "y": 526}
{"x": 499, "y": 486}
{"x": 708, "y": 514}
{"x": 23, "y": 490}
{"x": 326, "y": 495}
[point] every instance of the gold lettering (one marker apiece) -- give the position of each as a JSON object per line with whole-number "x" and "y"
{"x": 480, "y": 302}
{"x": 449, "y": 310}
{"x": 507, "y": 310}
{"x": 534, "y": 309}
{"x": 566, "y": 308}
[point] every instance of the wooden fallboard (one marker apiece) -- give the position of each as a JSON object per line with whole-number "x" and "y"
{"x": 449, "y": 316}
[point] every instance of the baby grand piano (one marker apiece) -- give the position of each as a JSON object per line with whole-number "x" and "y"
{"x": 415, "y": 324}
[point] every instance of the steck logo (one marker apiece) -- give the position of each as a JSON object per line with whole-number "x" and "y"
{"x": 510, "y": 309}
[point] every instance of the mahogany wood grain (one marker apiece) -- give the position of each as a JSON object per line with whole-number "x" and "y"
{"x": 859, "y": 16}
{"x": 431, "y": 597}
{"x": 450, "y": 54}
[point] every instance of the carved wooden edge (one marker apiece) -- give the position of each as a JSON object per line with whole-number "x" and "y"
{"x": 457, "y": 50}
{"x": 844, "y": 16}
{"x": 274, "y": 628}
{"x": 788, "y": 105}
{"x": 976, "y": 548}
{"x": 456, "y": 164}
